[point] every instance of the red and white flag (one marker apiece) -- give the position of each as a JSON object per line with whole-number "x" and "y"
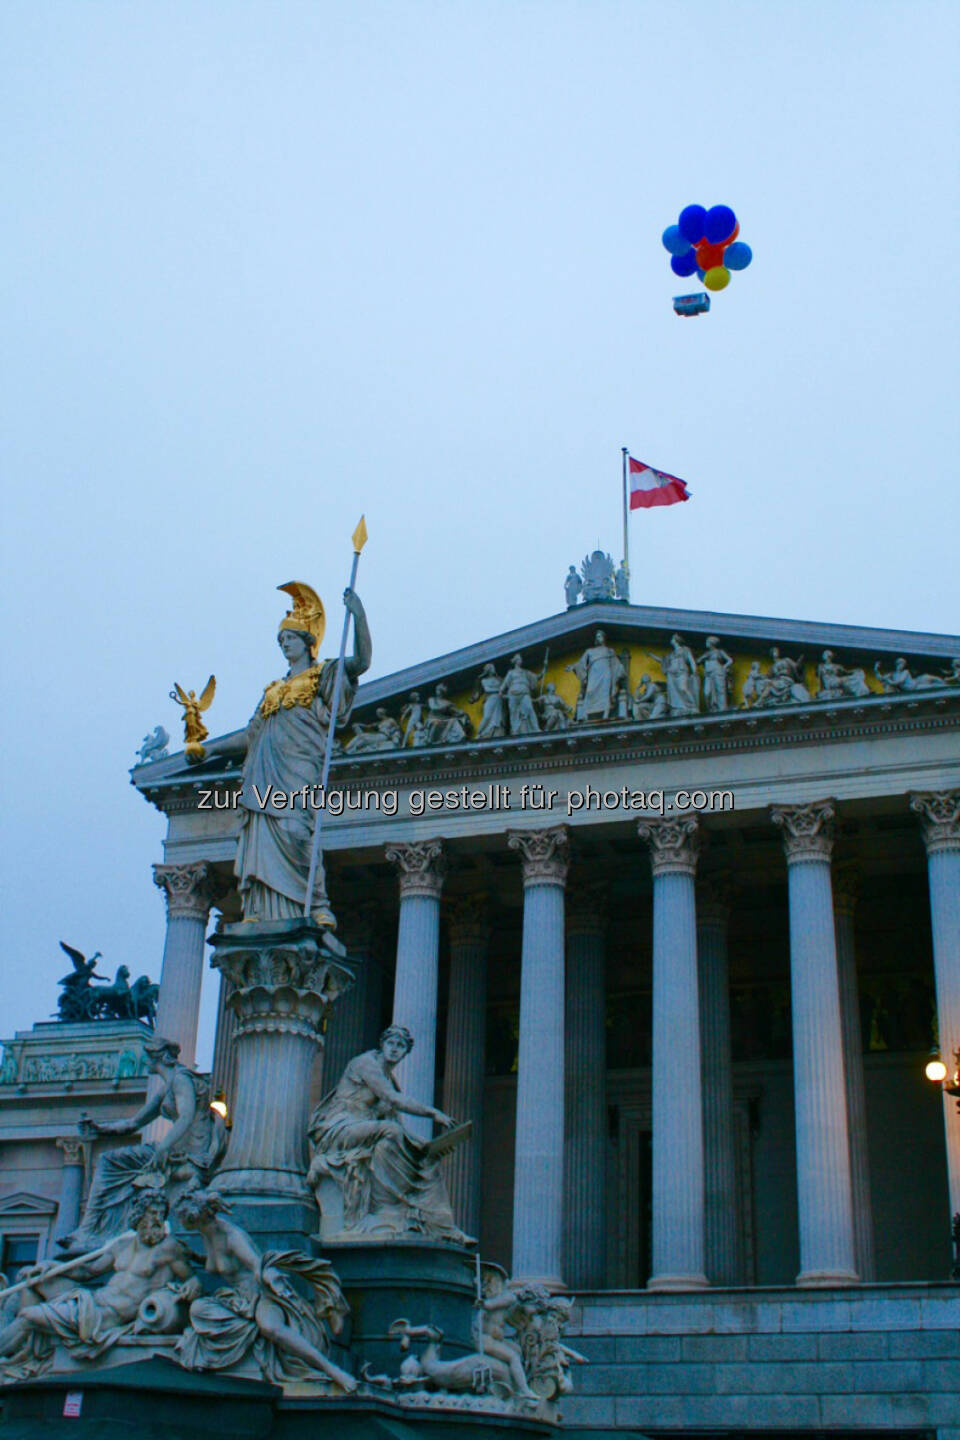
{"x": 650, "y": 487}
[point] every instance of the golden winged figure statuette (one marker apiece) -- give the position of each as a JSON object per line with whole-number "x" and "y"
{"x": 194, "y": 730}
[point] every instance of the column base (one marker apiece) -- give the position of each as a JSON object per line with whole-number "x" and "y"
{"x": 548, "y": 1282}
{"x": 667, "y": 1283}
{"x": 262, "y": 1185}
{"x": 824, "y": 1279}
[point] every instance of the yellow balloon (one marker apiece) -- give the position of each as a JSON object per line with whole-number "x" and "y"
{"x": 718, "y": 278}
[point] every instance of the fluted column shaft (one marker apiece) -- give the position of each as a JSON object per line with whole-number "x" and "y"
{"x": 71, "y": 1187}
{"x": 678, "y": 1161}
{"x": 824, "y": 1189}
{"x": 845, "y": 891}
{"x": 724, "y": 1262}
{"x": 939, "y": 812}
{"x": 421, "y": 869}
{"x": 465, "y": 1053}
{"x": 190, "y": 890}
{"x": 585, "y": 1146}
{"x": 223, "y": 1078}
{"x": 538, "y": 1166}
{"x": 353, "y": 1025}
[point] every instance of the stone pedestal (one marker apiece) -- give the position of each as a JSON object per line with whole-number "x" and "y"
{"x": 585, "y": 1146}
{"x": 538, "y": 1169}
{"x": 824, "y": 1191}
{"x": 724, "y": 1263}
{"x": 421, "y": 870}
{"x": 678, "y": 1166}
{"x": 283, "y": 982}
{"x": 465, "y": 1052}
{"x": 939, "y": 813}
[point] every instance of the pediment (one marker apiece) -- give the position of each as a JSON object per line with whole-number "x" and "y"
{"x": 24, "y": 1206}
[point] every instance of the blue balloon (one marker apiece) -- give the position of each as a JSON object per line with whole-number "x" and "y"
{"x": 674, "y": 241}
{"x": 737, "y": 256}
{"x": 684, "y": 264}
{"x": 691, "y": 223}
{"x": 719, "y": 224}
{"x": 700, "y": 273}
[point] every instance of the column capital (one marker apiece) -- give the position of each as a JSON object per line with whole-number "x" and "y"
{"x": 847, "y": 881}
{"x": 807, "y": 830}
{"x": 939, "y": 812}
{"x": 469, "y": 919}
{"x": 73, "y": 1149}
{"x": 190, "y": 890}
{"x": 545, "y": 854}
{"x": 714, "y": 899}
{"x": 674, "y": 844}
{"x": 421, "y": 867}
{"x": 586, "y": 912}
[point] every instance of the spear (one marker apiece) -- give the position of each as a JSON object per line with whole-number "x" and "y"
{"x": 66, "y": 1266}
{"x": 359, "y": 539}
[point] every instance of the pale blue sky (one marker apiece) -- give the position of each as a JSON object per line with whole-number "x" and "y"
{"x": 268, "y": 264}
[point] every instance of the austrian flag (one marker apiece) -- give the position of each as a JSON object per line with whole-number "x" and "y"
{"x": 650, "y": 487}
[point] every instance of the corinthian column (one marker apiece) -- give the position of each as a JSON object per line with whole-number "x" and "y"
{"x": 190, "y": 890}
{"x": 824, "y": 1190}
{"x": 71, "y": 1186}
{"x": 939, "y": 813}
{"x": 538, "y": 1167}
{"x": 585, "y": 1156}
{"x": 678, "y": 1164}
{"x": 421, "y": 867}
{"x": 846, "y": 891}
{"x": 724, "y": 1264}
{"x": 465, "y": 1051}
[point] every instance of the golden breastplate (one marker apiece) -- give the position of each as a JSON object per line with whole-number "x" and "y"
{"x": 294, "y": 690}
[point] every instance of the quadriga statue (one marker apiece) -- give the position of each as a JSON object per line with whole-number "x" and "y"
{"x": 283, "y": 748}
{"x": 372, "y": 1178}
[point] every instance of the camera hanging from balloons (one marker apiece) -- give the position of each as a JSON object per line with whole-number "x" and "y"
{"x": 704, "y": 242}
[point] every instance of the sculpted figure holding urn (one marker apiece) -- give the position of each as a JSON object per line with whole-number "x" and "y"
{"x": 283, "y": 747}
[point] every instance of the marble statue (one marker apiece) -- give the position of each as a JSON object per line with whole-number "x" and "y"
{"x": 572, "y": 586}
{"x": 385, "y": 734}
{"x": 445, "y": 723}
{"x": 283, "y": 748}
{"x": 476, "y": 1373}
{"x": 716, "y": 674}
{"x": 683, "y": 678}
{"x": 838, "y": 683}
{"x": 555, "y": 713}
{"x": 621, "y": 582}
{"x": 622, "y": 699}
{"x": 81, "y": 1001}
{"x": 154, "y": 746}
{"x": 537, "y": 1360}
{"x": 650, "y": 700}
{"x": 75, "y": 1002}
{"x": 185, "y": 1157}
{"x": 599, "y": 581}
{"x": 492, "y": 719}
{"x": 257, "y": 1311}
{"x": 138, "y": 1266}
{"x": 371, "y": 1177}
{"x": 600, "y": 672}
{"x": 194, "y": 730}
{"x": 781, "y": 685}
{"x": 900, "y": 680}
{"x": 518, "y": 688}
{"x": 411, "y": 718}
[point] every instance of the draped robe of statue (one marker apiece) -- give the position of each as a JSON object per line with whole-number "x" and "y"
{"x": 599, "y": 671}
{"x": 286, "y": 740}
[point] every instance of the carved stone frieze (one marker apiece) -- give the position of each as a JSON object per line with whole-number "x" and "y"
{"x": 545, "y": 854}
{"x": 674, "y": 844}
{"x": 939, "y": 812}
{"x": 807, "y": 830}
{"x": 190, "y": 890}
{"x": 421, "y": 867}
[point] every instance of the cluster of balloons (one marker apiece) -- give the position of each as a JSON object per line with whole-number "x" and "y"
{"x": 705, "y": 242}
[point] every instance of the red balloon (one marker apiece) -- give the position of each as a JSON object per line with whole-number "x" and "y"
{"x": 733, "y": 234}
{"x": 709, "y": 255}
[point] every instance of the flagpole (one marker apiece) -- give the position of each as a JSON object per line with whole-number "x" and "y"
{"x": 359, "y": 539}
{"x": 626, "y": 511}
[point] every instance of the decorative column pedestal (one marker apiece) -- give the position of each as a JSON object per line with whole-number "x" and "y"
{"x": 724, "y": 1261}
{"x": 678, "y": 1164}
{"x": 824, "y": 1190}
{"x": 465, "y": 1052}
{"x": 538, "y": 1169}
{"x": 283, "y": 982}
{"x": 585, "y": 1149}
{"x": 421, "y": 868}
{"x": 939, "y": 813}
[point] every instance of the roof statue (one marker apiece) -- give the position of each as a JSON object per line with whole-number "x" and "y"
{"x": 81, "y": 1001}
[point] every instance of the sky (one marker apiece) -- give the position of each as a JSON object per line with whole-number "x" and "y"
{"x": 269, "y": 265}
